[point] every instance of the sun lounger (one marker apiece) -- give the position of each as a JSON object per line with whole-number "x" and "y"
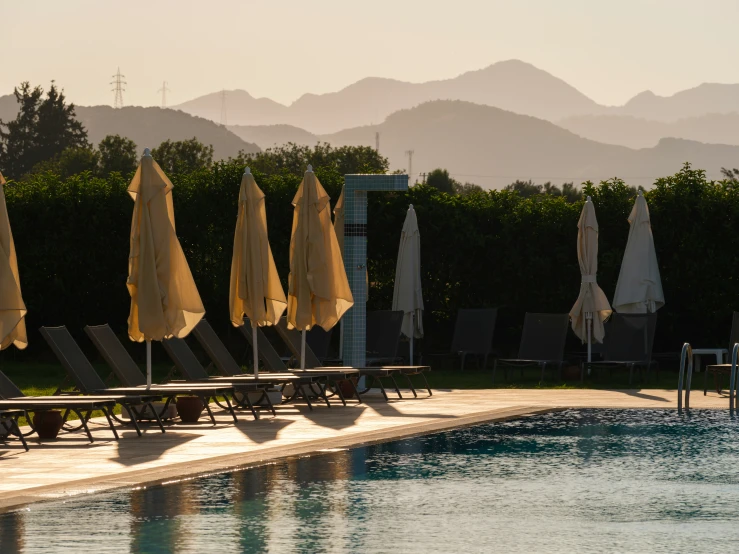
{"x": 14, "y": 399}
{"x": 88, "y": 382}
{"x": 542, "y": 344}
{"x": 129, "y": 374}
{"x": 383, "y": 336}
{"x": 473, "y": 335}
{"x": 719, "y": 369}
{"x": 628, "y": 344}
{"x": 9, "y": 423}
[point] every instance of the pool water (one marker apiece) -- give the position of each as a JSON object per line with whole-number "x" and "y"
{"x": 572, "y": 481}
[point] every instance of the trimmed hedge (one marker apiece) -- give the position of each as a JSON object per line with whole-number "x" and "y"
{"x": 483, "y": 249}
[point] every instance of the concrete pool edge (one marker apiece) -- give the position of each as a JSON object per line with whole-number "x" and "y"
{"x": 239, "y": 461}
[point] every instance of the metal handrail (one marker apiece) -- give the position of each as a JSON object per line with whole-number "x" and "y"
{"x": 732, "y": 380}
{"x": 685, "y": 356}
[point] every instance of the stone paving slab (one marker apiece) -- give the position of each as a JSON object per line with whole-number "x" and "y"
{"x": 70, "y": 465}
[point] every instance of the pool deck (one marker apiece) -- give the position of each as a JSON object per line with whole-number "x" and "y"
{"x": 70, "y": 465}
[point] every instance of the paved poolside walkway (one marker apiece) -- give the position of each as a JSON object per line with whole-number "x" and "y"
{"x": 70, "y": 465}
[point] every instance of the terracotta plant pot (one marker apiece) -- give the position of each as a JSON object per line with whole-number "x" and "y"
{"x": 189, "y": 408}
{"x": 47, "y": 423}
{"x": 346, "y": 388}
{"x": 571, "y": 373}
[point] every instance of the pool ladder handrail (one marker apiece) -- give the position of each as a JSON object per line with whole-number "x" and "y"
{"x": 733, "y": 401}
{"x": 685, "y": 356}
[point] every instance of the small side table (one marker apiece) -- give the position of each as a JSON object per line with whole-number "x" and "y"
{"x": 719, "y": 353}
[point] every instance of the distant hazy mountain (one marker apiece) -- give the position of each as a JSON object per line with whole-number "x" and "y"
{"x": 266, "y": 136}
{"x": 241, "y": 108}
{"x": 708, "y": 98}
{"x": 512, "y": 85}
{"x": 148, "y": 127}
{"x": 493, "y": 147}
{"x": 642, "y": 133}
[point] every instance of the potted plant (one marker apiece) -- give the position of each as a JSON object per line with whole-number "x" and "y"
{"x": 190, "y": 408}
{"x": 47, "y": 423}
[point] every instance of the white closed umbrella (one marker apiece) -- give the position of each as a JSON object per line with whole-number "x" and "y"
{"x": 639, "y": 287}
{"x": 591, "y": 308}
{"x": 408, "y": 293}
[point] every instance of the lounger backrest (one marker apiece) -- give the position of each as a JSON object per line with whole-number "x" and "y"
{"x": 184, "y": 359}
{"x": 474, "y": 330}
{"x": 292, "y": 339}
{"x": 116, "y": 355}
{"x": 8, "y": 388}
{"x": 72, "y": 358}
{"x": 630, "y": 337}
{"x": 266, "y": 352}
{"x": 216, "y": 350}
{"x": 383, "y": 332}
{"x": 319, "y": 341}
{"x": 544, "y": 337}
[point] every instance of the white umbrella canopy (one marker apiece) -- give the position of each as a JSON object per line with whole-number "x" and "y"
{"x": 12, "y": 308}
{"x": 639, "y": 286}
{"x": 408, "y": 293}
{"x": 591, "y": 308}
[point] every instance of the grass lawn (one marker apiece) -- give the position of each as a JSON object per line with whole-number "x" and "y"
{"x": 36, "y": 379}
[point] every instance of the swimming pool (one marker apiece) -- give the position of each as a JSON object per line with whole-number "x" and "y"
{"x": 572, "y": 481}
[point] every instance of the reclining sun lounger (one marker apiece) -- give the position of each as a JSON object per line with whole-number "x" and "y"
{"x": 375, "y": 374}
{"x": 9, "y": 423}
{"x": 190, "y": 367}
{"x": 542, "y": 344}
{"x": 14, "y": 399}
{"x": 628, "y": 343}
{"x": 88, "y": 382}
{"x": 129, "y": 374}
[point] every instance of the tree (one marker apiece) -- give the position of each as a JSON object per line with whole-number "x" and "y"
{"x": 71, "y": 161}
{"x": 119, "y": 154}
{"x": 42, "y": 130}
{"x": 293, "y": 159}
{"x": 467, "y": 188}
{"x": 525, "y": 189}
{"x": 528, "y": 189}
{"x": 731, "y": 175}
{"x": 183, "y": 156}
{"x": 440, "y": 180}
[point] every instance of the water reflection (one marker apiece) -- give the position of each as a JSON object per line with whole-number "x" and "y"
{"x": 564, "y": 482}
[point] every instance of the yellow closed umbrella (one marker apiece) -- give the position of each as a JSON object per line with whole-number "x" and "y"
{"x": 318, "y": 290}
{"x": 164, "y": 299}
{"x": 12, "y": 308}
{"x": 256, "y": 290}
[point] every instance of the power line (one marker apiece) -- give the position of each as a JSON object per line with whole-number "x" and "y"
{"x": 164, "y": 90}
{"x": 119, "y": 88}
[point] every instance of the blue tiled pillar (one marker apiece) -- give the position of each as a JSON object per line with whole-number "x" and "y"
{"x": 355, "y": 257}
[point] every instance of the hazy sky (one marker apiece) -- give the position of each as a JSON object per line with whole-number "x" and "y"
{"x": 609, "y": 50}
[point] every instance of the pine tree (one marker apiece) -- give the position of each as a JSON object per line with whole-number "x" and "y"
{"x": 43, "y": 129}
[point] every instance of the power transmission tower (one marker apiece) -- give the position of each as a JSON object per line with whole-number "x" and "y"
{"x": 119, "y": 88}
{"x": 377, "y": 142}
{"x": 409, "y": 153}
{"x": 224, "y": 118}
{"x": 164, "y": 90}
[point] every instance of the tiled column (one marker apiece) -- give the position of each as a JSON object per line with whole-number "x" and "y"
{"x": 355, "y": 257}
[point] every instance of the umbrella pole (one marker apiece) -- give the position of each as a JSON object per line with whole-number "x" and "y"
{"x": 341, "y": 340}
{"x": 148, "y": 364}
{"x": 302, "y": 350}
{"x": 589, "y": 325}
{"x": 413, "y": 333}
{"x": 255, "y": 349}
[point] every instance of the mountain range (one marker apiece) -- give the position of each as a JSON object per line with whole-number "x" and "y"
{"x": 148, "y": 127}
